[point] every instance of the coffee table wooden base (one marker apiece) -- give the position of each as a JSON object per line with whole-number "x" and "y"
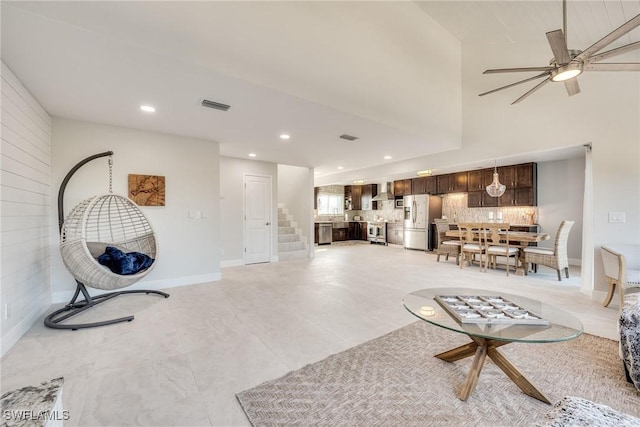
{"x": 480, "y": 348}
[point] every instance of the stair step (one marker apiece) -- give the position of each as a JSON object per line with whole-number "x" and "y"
{"x": 290, "y": 246}
{"x": 286, "y": 230}
{"x": 284, "y": 238}
{"x": 284, "y": 223}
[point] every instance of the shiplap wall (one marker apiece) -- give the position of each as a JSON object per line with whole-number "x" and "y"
{"x": 25, "y": 178}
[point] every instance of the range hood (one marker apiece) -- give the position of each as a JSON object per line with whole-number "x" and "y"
{"x": 385, "y": 194}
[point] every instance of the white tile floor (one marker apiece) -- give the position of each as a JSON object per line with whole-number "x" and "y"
{"x": 182, "y": 359}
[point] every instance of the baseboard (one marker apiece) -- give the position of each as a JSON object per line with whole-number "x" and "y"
{"x": 275, "y": 258}
{"x": 231, "y": 263}
{"x": 575, "y": 261}
{"x": 154, "y": 285}
{"x": 12, "y": 337}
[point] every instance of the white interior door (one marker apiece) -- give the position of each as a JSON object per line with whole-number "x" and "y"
{"x": 258, "y": 221}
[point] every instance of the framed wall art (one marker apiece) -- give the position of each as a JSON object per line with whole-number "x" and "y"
{"x": 147, "y": 190}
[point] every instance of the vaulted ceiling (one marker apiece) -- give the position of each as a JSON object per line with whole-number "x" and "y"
{"x": 389, "y": 73}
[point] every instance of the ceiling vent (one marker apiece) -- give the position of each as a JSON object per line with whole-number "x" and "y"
{"x": 348, "y": 137}
{"x": 215, "y": 105}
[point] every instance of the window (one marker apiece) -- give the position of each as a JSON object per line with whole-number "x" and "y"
{"x": 330, "y": 204}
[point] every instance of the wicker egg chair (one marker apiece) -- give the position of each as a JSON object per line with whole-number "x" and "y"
{"x": 102, "y": 221}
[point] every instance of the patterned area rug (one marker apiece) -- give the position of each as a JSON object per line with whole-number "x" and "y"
{"x": 394, "y": 380}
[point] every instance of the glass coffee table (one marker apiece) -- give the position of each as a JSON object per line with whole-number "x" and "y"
{"x": 492, "y": 319}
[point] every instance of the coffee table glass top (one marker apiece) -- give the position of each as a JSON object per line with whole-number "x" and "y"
{"x": 562, "y": 326}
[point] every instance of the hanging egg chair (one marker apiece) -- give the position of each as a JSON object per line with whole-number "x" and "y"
{"x": 106, "y": 243}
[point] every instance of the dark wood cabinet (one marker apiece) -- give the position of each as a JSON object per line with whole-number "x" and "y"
{"x": 339, "y": 234}
{"x": 479, "y": 179}
{"x": 402, "y": 187}
{"x": 526, "y": 175}
{"x": 481, "y": 199}
{"x": 356, "y": 197}
{"x": 315, "y": 198}
{"x": 316, "y": 234}
{"x": 507, "y": 175}
{"x": 369, "y": 191}
{"x": 430, "y": 185}
{"x": 417, "y": 186}
{"x": 364, "y": 232}
{"x": 452, "y": 183}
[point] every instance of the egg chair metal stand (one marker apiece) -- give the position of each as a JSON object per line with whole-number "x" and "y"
{"x": 100, "y": 221}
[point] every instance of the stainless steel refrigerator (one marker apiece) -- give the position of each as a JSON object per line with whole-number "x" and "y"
{"x": 420, "y": 211}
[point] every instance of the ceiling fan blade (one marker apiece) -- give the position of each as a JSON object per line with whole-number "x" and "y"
{"x": 572, "y": 86}
{"x": 517, "y": 70}
{"x": 614, "y": 52}
{"x": 535, "y": 88}
{"x": 609, "y": 38}
{"x": 515, "y": 84}
{"x": 613, "y": 66}
{"x": 559, "y": 47}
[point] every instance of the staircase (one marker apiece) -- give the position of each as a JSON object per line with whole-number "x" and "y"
{"x": 290, "y": 242}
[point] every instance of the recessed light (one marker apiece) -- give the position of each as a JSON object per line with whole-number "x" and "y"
{"x": 426, "y": 172}
{"x": 340, "y": 168}
{"x": 148, "y": 108}
{"x": 285, "y": 136}
{"x": 387, "y": 157}
{"x": 252, "y": 154}
{"x": 359, "y": 181}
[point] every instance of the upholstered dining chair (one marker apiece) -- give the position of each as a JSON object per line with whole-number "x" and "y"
{"x": 446, "y": 246}
{"x": 497, "y": 245}
{"x": 471, "y": 242}
{"x": 618, "y": 274}
{"x": 555, "y": 258}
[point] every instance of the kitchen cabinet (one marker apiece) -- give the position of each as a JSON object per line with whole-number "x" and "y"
{"x": 526, "y": 175}
{"x": 402, "y": 187}
{"x": 395, "y": 233}
{"x": 417, "y": 186}
{"x": 481, "y": 199}
{"x": 339, "y": 234}
{"x": 357, "y": 231}
{"x": 430, "y": 185}
{"x": 316, "y": 234}
{"x": 369, "y": 191}
{"x": 356, "y": 197}
{"x": 452, "y": 183}
{"x": 479, "y": 179}
{"x": 519, "y": 197}
{"x": 315, "y": 197}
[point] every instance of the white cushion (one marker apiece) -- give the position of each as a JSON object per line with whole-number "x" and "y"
{"x": 472, "y": 247}
{"x": 536, "y": 250}
{"x": 451, "y": 242}
{"x": 500, "y": 250}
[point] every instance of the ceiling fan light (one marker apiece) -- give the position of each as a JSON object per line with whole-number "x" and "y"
{"x": 566, "y": 72}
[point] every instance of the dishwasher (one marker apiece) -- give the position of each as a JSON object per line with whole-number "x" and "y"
{"x": 325, "y": 232}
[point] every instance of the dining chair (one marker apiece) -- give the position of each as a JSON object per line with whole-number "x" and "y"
{"x": 471, "y": 242}
{"x": 618, "y": 274}
{"x": 555, "y": 258}
{"x": 446, "y": 246}
{"x": 497, "y": 245}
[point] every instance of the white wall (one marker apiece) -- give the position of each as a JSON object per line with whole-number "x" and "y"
{"x": 25, "y": 154}
{"x": 560, "y": 196}
{"x": 189, "y": 249}
{"x": 295, "y": 190}
{"x": 232, "y": 172}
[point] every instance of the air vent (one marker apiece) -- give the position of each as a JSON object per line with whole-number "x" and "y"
{"x": 348, "y": 137}
{"x": 215, "y": 105}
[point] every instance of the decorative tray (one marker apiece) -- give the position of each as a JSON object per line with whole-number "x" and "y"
{"x": 487, "y": 309}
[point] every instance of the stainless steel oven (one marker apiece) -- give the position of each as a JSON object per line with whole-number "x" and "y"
{"x": 377, "y": 232}
{"x": 399, "y": 203}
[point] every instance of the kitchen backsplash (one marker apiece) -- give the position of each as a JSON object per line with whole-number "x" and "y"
{"x": 454, "y": 208}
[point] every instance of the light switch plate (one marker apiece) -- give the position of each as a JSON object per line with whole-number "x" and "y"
{"x": 617, "y": 217}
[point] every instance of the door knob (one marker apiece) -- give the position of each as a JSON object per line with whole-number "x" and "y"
{"x": 268, "y": 223}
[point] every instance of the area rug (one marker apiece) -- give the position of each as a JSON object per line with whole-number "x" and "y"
{"x": 394, "y": 380}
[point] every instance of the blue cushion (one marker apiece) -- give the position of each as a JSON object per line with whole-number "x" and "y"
{"x": 124, "y": 263}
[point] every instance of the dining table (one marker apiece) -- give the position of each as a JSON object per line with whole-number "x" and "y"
{"x": 521, "y": 239}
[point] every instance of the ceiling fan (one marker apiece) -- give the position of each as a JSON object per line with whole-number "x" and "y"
{"x": 567, "y": 64}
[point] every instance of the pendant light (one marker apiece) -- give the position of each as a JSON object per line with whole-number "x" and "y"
{"x": 495, "y": 189}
